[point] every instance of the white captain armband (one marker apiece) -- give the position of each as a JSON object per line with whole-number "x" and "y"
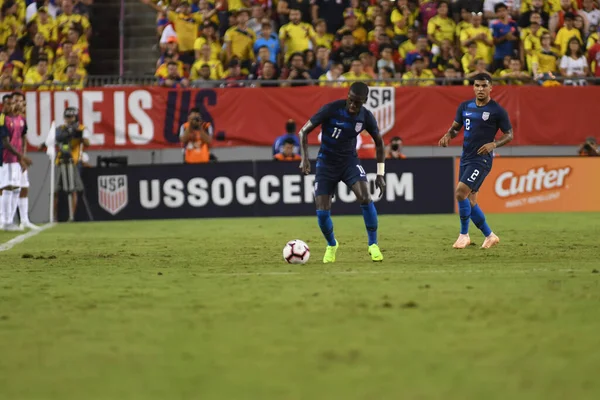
{"x": 381, "y": 169}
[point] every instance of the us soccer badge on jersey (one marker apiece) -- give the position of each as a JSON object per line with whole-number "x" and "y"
{"x": 358, "y": 127}
{"x": 485, "y": 115}
{"x": 382, "y": 103}
{"x": 112, "y": 193}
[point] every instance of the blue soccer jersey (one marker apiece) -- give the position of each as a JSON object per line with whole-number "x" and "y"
{"x": 481, "y": 125}
{"x": 340, "y": 129}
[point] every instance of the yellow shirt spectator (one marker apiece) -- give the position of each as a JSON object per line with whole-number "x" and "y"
{"x": 564, "y": 35}
{"x": 360, "y": 34}
{"x": 425, "y": 74}
{"x": 406, "y": 47}
{"x": 186, "y": 27}
{"x": 33, "y": 77}
{"x": 388, "y": 32}
{"x": 296, "y": 37}
{"x": 397, "y": 16}
{"x": 326, "y": 40}
{"x": 323, "y": 81}
{"x": 235, "y": 5}
{"x": 483, "y": 50}
{"x": 48, "y": 29}
{"x": 8, "y": 26}
{"x": 21, "y": 9}
{"x": 468, "y": 63}
{"x": 592, "y": 40}
{"x": 47, "y": 51}
{"x": 215, "y": 47}
{"x": 550, "y": 6}
{"x": 546, "y": 60}
{"x": 241, "y": 41}
{"x": 440, "y": 28}
{"x": 161, "y": 72}
{"x": 351, "y": 76}
{"x": 64, "y": 21}
{"x": 461, "y": 26}
{"x": 216, "y": 69}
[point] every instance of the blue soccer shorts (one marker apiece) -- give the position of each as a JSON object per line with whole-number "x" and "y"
{"x": 473, "y": 174}
{"x": 329, "y": 175}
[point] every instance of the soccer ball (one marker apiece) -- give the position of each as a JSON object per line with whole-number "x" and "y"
{"x": 296, "y": 252}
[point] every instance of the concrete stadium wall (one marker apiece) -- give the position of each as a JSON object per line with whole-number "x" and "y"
{"x": 39, "y": 173}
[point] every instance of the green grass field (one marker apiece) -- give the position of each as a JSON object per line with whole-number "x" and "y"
{"x": 207, "y": 309}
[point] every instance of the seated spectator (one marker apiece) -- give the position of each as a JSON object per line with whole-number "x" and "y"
{"x": 387, "y": 77}
{"x": 352, "y": 26}
{"x": 269, "y": 40}
{"x": 170, "y": 47}
{"x": 322, "y": 62}
{"x": 573, "y": 64}
{"x": 239, "y": 41}
{"x": 394, "y": 149}
{"x": 411, "y": 44}
{"x": 334, "y": 77}
{"x": 418, "y": 74}
{"x": 34, "y": 8}
{"x": 480, "y": 35}
{"x": 515, "y": 74}
{"x": 201, "y": 76}
{"x": 268, "y": 75}
{"x": 470, "y": 58}
{"x": 39, "y": 78}
{"x": 544, "y": 62}
{"x": 567, "y": 32}
{"x": 15, "y": 55}
{"x": 162, "y": 70}
{"x": 69, "y": 17}
{"x": 594, "y": 59}
{"x": 209, "y": 36}
{"x": 537, "y": 6}
{"x": 196, "y": 137}
{"x": 296, "y": 35}
{"x": 369, "y": 65}
{"x": 386, "y": 60}
{"x": 480, "y": 67}
{"x": 322, "y": 38}
{"x": 173, "y": 78}
{"x": 445, "y": 59}
{"x": 422, "y": 50}
{"x": 10, "y": 23}
{"x": 452, "y": 76}
{"x": 62, "y": 55}
{"x": 216, "y": 68}
{"x": 589, "y": 148}
{"x": 26, "y": 41}
{"x": 39, "y": 49}
{"x": 10, "y": 78}
{"x": 234, "y": 75}
{"x": 288, "y": 136}
{"x": 347, "y": 52}
{"x": 309, "y": 59}
{"x": 46, "y": 25}
{"x": 296, "y": 71}
{"x": 357, "y": 73}
{"x": 70, "y": 80}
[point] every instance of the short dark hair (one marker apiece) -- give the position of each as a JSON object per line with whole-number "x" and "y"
{"x": 172, "y": 63}
{"x": 396, "y": 138}
{"x": 499, "y": 6}
{"x": 289, "y": 141}
{"x": 18, "y": 93}
{"x": 7, "y": 96}
{"x": 360, "y": 89}
{"x": 385, "y": 46}
{"x": 483, "y": 77}
{"x": 194, "y": 110}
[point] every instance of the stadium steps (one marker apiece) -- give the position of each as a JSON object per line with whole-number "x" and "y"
{"x": 140, "y": 39}
{"x": 104, "y": 43}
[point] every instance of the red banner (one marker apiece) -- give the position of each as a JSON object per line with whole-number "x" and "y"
{"x": 149, "y": 117}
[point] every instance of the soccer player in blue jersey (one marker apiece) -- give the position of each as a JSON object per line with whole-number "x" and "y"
{"x": 341, "y": 122}
{"x": 481, "y": 117}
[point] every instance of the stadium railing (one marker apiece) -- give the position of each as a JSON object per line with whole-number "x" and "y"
{"x": 116, "y": 81}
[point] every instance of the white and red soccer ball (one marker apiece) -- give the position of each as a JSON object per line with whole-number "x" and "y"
{"x": 296, "y": 252}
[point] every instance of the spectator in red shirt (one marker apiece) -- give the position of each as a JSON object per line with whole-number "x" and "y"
{"x": 594, "y": 57}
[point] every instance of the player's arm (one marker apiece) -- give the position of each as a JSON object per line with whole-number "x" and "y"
{"x": 373, "y": 129}
{"x": 303, "y": 134}
{"x": 507, "y": 135}
{"x": 23, "y": 160}
{"x": 454, "y": 129}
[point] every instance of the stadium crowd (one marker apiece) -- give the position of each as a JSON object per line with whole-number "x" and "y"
{"x": 403, "y": 42}
{"x": 44, "y": 44}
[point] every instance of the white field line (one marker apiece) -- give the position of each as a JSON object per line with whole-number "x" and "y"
{"x": 21, "y": 238}
{"x": 385, "y": 272}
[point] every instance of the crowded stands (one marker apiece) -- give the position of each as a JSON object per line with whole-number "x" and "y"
{"x": 383, "y": 42}
{"x": 44, "y": 44}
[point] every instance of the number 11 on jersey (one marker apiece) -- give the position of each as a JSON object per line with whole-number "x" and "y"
{"x": 336, "y": 133}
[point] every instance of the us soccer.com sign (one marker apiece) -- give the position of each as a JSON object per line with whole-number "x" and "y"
{"x": 112, "y": 193}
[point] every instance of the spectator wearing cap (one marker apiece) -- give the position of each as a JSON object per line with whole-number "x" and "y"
{"x": 296, "y": 36}
{"x": 441, "y": 27}
{"x": 322, "y": 62}
{"x": 394, "y": 149}
{"x": 209, "y": 36}
{"x": 357, "y": 73}
{"x": 216, "y": 68}
{"x": 289, "y": 135}
{"x": 418, "y": 74}
{"x": 334, "y": 77}
{"x": 421, "y": 50}
{"x": 480, "y": 35}
{"x": 348, "y": 51}
{"x": 330, "y": 11}
{"x": 68, "y": 17}
{"x": 351, "y": 25}
{"x": 186, "y": 24}
{"x": 239, "y": 40}
{"x": 322, "y": 37}
{"x": 506, "y": 35}
{"x": 173, "y": 77}
{"x": 402, "y": 18}
{"x": 567, "y": 32}
{"x": 269, "y": 40}
{"x": 39, "y": 78}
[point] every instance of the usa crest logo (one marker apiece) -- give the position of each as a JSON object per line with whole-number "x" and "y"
{"x": 358, "y": 127}
{"x": 113, "y": 193}
{"x": 382, "y": 103}
{"x": 485, "y": 116}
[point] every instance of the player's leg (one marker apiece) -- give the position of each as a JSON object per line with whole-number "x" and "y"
{"x": 478, "y": 218}
{"x": 324, "y": 189}
{"x": 462, "y": 193}
{"x": 24, "y": 202}
{"x": 8, "y": 185}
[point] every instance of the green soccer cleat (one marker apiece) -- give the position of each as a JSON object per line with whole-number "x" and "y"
{"x": 329, "y": 256}
{"x": 375, "y": 253}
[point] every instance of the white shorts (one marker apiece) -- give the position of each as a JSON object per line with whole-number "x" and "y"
{"x": 24, "y": 179}
{"x": 10, "y": 175}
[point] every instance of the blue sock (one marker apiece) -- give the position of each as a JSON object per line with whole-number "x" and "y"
{"x": 479, "y": 220}
{"x": 326, "y": 225}
{"x": 464, "y": 210}
{"x": 370, "y": 216}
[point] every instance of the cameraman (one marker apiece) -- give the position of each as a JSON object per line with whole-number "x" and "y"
{"x": 589, "y": 148}
{"x": 394, "y": 150}
{"x": 196, "y": 137}
{"x": 71, "y": 139}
